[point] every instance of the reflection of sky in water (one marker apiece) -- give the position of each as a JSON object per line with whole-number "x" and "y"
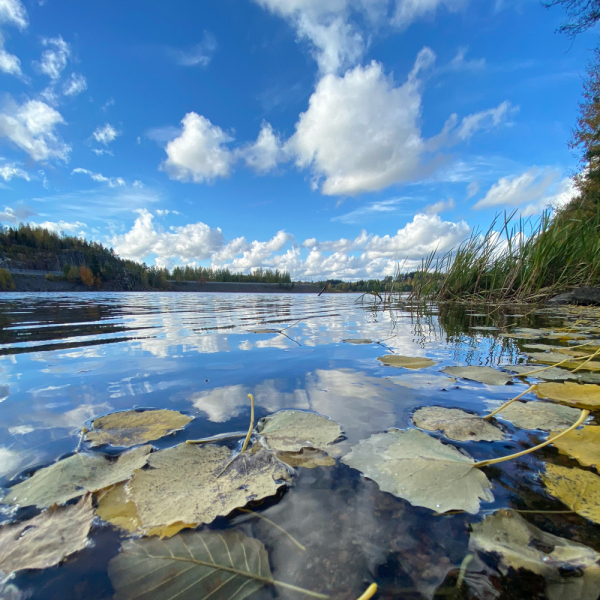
{"x": 65, "y": 359}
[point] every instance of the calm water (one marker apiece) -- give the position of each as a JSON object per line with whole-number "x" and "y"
{"x": 65, "y": 359}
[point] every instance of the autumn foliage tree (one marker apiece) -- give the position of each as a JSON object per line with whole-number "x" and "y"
{"x": 86, "y": 276}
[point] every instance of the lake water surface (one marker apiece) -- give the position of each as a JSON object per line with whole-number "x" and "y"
{"x": 65, "y": 359}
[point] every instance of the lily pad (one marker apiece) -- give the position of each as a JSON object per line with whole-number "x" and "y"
{"x": 74, "y": 476}
{"x": 582, "y": 444}
{"x": 357, "y": 341}
{"x": 190, "y": 484}
{"x": 551, "y": 374}
{"x": 406, "y": 362}
{"x": 484, "y": 328}
{"x": 116, "y": 507}
{"x": 292, "y": 430}
{"x": 132, "y": 427}
{"x": 191, "y": 566}
{"x": 551, "y": 358}
{"x": 47, "y": 539}
{"x": 485, "y": 375}
{"x": 456, "y": 424}
{"x": 521, "y": 545}
{"x": 422, "y": 380}
{"x": 540, "y": 415}
{"x": 578, "y": 489}
{"x": 417, "y": 467}
{"x": 264, "y": 331}
{"x": 574, "y": 394}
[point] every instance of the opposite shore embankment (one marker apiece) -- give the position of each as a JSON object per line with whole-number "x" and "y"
{"x": 37, "y": 283}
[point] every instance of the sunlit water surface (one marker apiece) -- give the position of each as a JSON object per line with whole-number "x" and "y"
{"x": 65, "y": 359}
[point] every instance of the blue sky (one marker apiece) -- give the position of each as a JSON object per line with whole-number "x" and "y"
{"x": 331, "y": 138}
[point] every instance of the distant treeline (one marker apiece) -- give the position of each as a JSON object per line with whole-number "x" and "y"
{"x": 401, "y": 282}
{"x": 204, "y": 274}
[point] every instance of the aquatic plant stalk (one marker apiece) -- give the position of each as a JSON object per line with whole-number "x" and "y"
{"x": 251, "y": 423}
{"x": 568, "y": 359}
{"x": 495, "y": 461}
{"x": 509, "y": 402}
{"x": 369, "y": 592}
{"x": 586, "y": 362}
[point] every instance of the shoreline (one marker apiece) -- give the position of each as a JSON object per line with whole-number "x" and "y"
{"x": 37, "y": 283}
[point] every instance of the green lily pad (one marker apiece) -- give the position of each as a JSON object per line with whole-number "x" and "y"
{"x": 485, "y": 375}
{"x": 132, "y": 427}
{"x": 292, "y": 430}
{"x": 521, "y": 545}
{"x": 416, "y": 467}
{"x": 456, "y": 424}
{"x": 74, "y": 476}
{"x": 406, "y": 362}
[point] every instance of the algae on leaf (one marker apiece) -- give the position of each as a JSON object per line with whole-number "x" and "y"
{"x": 540, "y": 415}
{"x": 485, "y": 375}
{"x": 456, "y": 424}
{"x": 520, "y": 545}
{"x": 580, "y": 395}
{"x": 406, "y": 362}
{"x": 190, "y": 566}
{"x": 132, "y": 427}
{"x": 414, "y": 466}
{"x": 578, "y": 489}
{"x": 188, "y": 484}
{"x": 292, "y": 430}
{"x": 74, "y": 476}
{"x": 47, "y": 539}
{"x": 582, "y": 444}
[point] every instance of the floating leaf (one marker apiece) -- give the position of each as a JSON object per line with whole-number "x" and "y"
{"x": 74, "y": 476}
{"x": 551, "y": 358}
{"x": 292, "y": 430}
{"x": 191, "y": 566}
{"x": 116, "y": 507}
{"x": 406, "y": 362}
{"x": 485, "y": 375}
{"x": 422, "y": 380}
{"x": 525, "y": 333}
{"x": 543, "y": 347}
{"x": 578, "y": 489}
{"x": 357, "y": 341}
{"x": 456, "y": 424}
{"x": 132, "y": 427}
{"x": 484, "y": 328}
{"x": 582, "y": 444}
{"x": 521, "y": 545}
{"x": 575, "y": 394}
{"x": 190, "y": 484}
{"x": 47, "y": 539}
{"x": 540, "y": 415}
{"x": 264, "y": 331}
{"x": 309, "y": 458}
{"x": 414, "y": 466}
{"x": 551, "y": 374}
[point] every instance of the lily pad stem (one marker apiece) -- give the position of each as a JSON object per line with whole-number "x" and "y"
{"x": 251, "y": 423}
{"x": 487, "y": 417}
{"x": 568, "y": 359}
{"x": 586, "y": 362}
{"x": 369, "y": 592}
{"x": 494, "y": 461}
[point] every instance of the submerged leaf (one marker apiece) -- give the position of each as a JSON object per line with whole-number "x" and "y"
{"x": 132, "y": 427}
{"x": 357, "y": 341}
{"x": 575, "y": 394}
{"x": 406, "y": 362}
{"x": 74, "y": 476}
{"x": 521, "y": 545}
{"x": 185, "y": 484}
{"x": 540, "y": 415}
{"x": 292, "y": 430}
{"x": 309, "y": 458}
{"x": 578, "y": 489}
{"x": 456, "y": 424}
{"x": 191, "y": 566}
{"x": 414, "y": 466}
{"x": 47, "y": 539}
{"x": 485, "y": 375}
{"x": 116, "y": 507}
{"x": 422, "y": 380}
{"x": 582, "y": 444}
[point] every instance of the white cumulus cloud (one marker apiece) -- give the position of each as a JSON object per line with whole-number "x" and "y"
{"x": 106, "y": 134}
{"x": 10, "y": 170}
{"x": 264, "y": 154}
{"x": 199, "y": 153}
{"x": 110, "y": 181}
{"x": 54, "y": 58}
{"x": 32, "y": 127}
{"x": 59, "y": 226}
{"x": 74, "y": 85}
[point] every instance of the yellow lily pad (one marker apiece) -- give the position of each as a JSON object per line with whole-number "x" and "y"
{"x": 406, "y": 362}
{"x": 578, "y": 489}
{"x": 581, "y": 395}
{"x": 582, "y": 444}
{"x": 132, "y": 427}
